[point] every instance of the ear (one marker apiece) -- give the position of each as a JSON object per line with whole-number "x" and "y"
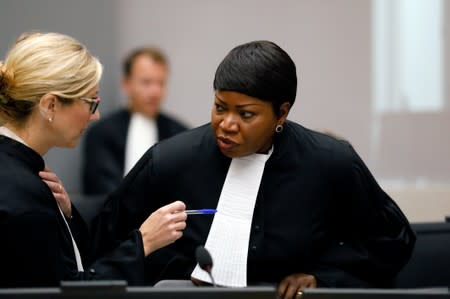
{"x": 126, "y": 84}
{"x": 47, "y": 106}
{"x": 284, "y": 111}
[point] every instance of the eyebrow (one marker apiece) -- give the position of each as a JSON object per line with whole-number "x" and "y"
{"x": 237, "y": 106}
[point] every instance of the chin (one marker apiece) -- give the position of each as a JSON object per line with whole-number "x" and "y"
{"x": 231, "y": 154}
{"x": 151, "y": 114}
{"x": 69, "y": 145}
{"x": 150, "y": 111}
{"x": 73, "y": 143}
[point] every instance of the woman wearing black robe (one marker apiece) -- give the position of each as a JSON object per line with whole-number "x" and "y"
{"x": 320, "y": 218}
{"x": 48, "y": 95}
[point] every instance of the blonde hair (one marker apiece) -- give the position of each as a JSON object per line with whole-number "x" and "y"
{"x": 40, "y": 64}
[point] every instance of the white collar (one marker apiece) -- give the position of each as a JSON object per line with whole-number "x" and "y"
{"x": 8, "y": 133}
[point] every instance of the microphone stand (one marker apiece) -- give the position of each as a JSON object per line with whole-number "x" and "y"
{"x": 208, "y": 270}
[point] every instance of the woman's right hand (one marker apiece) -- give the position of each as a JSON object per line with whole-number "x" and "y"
{"x": 163, "y": 226}
{"x": 58, "y": 190}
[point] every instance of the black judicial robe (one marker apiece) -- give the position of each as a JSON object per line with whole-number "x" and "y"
{"x": 318, "y": 211}
{"x": 104, "y": 149}
{"x": 36, "y": 248}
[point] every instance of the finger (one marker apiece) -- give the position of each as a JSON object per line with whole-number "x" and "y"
{"x": 59, "y": 197}
{"x": 176, "y": 206}
{"x": 282, "y": 287}
{"x": 176, "y": 235}
{"x": 312, "y": 282}
{"x": 291, "y": 291}
{"x": 302, "y": 284}
{"x": 49, "y": 176}
{"x": 47, "y": 181}
{"x": 306, "y": 282}
{"x": 54, "y": 187}
{"x": 46, "y": 175}
{"x": 179, "y": 217}
{"x": 179, "y": 226}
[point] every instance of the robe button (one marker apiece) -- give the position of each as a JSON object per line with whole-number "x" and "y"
{"x": 254, "y": 248}
{"x": 257, "y": 228}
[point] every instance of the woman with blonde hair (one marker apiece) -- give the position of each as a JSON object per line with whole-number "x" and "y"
{"x": 48, "y": 95}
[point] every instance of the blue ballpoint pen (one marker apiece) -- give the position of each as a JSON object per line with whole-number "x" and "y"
{"x": 201, "y": 212}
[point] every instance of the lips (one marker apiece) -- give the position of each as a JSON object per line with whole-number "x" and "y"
{"x": 226, "y": 144}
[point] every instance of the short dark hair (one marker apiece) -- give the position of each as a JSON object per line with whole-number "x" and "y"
{"x": 259, "y": 69}
{"x": 154, "y": 53}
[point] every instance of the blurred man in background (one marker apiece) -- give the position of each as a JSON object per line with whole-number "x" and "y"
{"x": 114, "y": 144}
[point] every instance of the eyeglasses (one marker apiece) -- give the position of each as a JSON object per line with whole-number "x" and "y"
{"x": 93, "y": 103}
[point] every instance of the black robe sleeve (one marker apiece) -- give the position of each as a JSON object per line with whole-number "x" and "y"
{"x": 372, "y": 240}
{"x": 143, "y": 191}
{"x": 123, "y": 261}
{"x": 124, "y": 212}
{"x": 35, "y": 251}
{"x": 42, "y": 255}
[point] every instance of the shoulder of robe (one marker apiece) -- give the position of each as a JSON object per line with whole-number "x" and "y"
{"x": 184, "y": 149}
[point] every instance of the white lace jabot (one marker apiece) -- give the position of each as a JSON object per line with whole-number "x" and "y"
{"x": 229, "y": 236}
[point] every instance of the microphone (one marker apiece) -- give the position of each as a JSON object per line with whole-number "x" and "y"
{"x": 205, "y": 261}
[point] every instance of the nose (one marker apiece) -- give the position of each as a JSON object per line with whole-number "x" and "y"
{"x": 155, "y": 90}
{"x": 229, "y": 123}
{"x": 95, "y": 116}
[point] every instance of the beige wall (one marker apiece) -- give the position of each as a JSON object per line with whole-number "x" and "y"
{"x": 330, "y": 41}
{"x": 92, "y": 22}
{"x": 422, "y": 204}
